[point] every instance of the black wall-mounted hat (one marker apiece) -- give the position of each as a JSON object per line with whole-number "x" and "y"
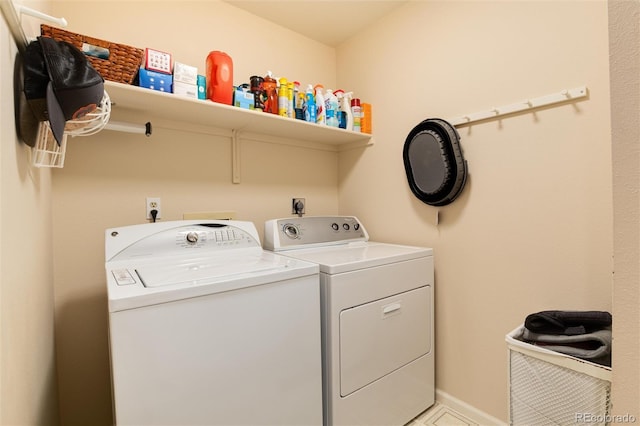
{"x": 59, "y": 85}
{"x": 436, "y": 170}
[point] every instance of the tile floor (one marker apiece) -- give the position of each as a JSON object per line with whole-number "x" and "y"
{"x": 441, "y": 415}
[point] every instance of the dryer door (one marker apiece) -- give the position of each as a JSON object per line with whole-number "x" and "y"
{"x": 380, "y": 337}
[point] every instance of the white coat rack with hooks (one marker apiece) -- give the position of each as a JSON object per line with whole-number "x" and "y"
{"x": 563, "y": 96}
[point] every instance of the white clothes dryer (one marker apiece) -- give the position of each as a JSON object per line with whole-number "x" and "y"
{"x": 206, "y": 328}
{"x": 377, "y": 318}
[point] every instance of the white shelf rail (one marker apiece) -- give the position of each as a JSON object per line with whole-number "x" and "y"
{"x": 12, "y": 12}
{"x": 13, "y": 22}
{"x": 561, "y": 97}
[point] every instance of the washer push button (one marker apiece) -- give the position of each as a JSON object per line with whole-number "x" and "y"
{"x": 123, "y": 277}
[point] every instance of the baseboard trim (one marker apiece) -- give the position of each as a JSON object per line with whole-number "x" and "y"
{"x": 467, "y": 410}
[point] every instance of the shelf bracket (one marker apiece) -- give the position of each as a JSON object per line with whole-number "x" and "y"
{"x": 235, "y": 156}
{"x": 523, "y": 106}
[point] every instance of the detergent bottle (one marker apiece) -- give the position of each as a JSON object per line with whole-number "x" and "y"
{"x": 310, "y": 106}
{"x": 331, "y": 108}
{"x": 270, "y": 94}
{"x": 219, "y": 77}
{"x": 321, "y": 117}
{"x": 283, "y": 98}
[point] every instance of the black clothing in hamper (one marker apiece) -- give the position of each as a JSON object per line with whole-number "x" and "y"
{"x": 594, "y": 346}
{"x": 567, "y": 322}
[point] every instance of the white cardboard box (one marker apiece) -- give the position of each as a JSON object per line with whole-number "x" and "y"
{"x": 184, "y": 89}
{"x": 185, "y": 73}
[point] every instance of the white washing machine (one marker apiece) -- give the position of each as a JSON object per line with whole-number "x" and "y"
{"x": 206, "y": 328}
{"x": 377, "y": 318}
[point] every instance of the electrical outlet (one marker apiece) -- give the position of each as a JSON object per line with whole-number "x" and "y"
{"x": 153, "y": 203}
{"x": 297, "y": 206}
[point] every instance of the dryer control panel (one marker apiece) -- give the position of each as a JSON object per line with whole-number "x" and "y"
{"x": 312, "y": 231}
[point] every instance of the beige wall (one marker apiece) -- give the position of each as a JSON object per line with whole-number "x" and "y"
{"x": 624, "y": 24}
{"x": 532, "y": 229}
{"x": 28, "y": 393}
{"x": 107, "y": 177}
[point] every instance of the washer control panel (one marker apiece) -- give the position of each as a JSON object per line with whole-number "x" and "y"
{"x": 301, "y": 232}
{"x": 182, "y": 238}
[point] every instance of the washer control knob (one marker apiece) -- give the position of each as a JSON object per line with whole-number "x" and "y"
{"x": 335, "y": 226}
{"x": 346, "y": 226}
{"x": 291, "y": 231}
{"x": 192, "y": 237}
{"x": 356, "y": 226}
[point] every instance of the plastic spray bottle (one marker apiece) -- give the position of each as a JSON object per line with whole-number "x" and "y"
{"x": 310, "y": 106}
{"x": 321, "y": 117}
{"x": 346, "y": 107}
{"x": 331, "y": 108}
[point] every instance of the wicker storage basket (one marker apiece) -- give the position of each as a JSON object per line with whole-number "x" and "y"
{"x": 115, "y": 62}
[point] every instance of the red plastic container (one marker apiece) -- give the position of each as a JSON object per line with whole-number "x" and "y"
{"x": 219, "y": 75}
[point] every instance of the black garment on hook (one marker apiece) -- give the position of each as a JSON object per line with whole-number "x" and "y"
{"x": 59, "y": 85}
{"x": 433, "y": 161}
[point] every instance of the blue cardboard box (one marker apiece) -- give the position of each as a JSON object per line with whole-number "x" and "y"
{"x": 243, "y": 98}
{"x": 202, "y": 87}
{"x": 155, "y": 80}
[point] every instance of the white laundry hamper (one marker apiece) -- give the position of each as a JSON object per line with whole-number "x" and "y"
{"x": 551, "y": 388}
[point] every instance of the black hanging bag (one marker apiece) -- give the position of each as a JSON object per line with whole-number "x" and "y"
{"x": 436, "y": 169}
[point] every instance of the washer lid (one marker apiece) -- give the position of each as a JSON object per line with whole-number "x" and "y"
{"x": 204, "y": 270}
{"x": 359, "y": 255}
{"x": 132, "y": 284}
